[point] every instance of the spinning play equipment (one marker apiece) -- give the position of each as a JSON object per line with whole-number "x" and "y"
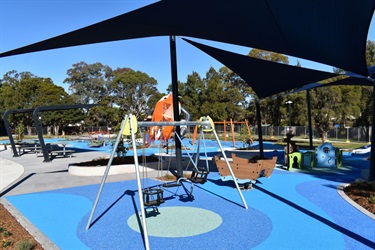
{"x": 328, "y": 156}
{"x": 163, "y": 112}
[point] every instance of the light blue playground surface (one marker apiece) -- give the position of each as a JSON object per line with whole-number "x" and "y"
{"x": 290, "y": 210}
{"x": 212, "y": 147}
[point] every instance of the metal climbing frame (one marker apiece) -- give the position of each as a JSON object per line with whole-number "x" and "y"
{"x": 129, "y": 126}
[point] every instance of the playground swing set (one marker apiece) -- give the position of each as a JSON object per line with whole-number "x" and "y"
{"x": 154, "y": 196}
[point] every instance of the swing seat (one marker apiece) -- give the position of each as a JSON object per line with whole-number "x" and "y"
{"x": 171, "y": 184}
{"x": 199, "y": 176}
{"x": 153, "y": 196}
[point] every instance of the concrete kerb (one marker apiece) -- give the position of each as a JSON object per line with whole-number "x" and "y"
{"x": 35, "y": 232}
{"x": 340, "y": 191}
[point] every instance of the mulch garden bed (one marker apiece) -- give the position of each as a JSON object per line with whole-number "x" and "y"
{"x": 363, "y": 194}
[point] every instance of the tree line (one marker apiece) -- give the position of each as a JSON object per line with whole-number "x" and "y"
{"x": 222, "y": 94}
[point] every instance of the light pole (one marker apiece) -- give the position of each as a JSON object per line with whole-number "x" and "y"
{"x": 290, "y": 114}
{"x": 289, "y": 135}
{"x": 347, "y": 134}
{"x": 41, "y": 125}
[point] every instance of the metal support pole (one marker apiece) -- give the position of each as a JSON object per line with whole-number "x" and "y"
{"x": 40, "y": 136}
{"x": 260, "y": 135}
{"x": 290, "y": 115}
{"x": 230, "y": 170}
{"x": 199, "y": 147}
{"x": 106, "y": 172}
{"x": 7, "y": 128}
{"x": 347, "y": 135}
{"x": 176, "y": 113}
{"x": 372, "y": 156}
{"x": 309, "y": 117}
{"x": 140, "y": 192}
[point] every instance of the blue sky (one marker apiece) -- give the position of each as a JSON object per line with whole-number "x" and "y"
{"x": 23, "y": 22}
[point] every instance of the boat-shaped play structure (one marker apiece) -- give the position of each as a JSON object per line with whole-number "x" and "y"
{"x": 248, "y": 170}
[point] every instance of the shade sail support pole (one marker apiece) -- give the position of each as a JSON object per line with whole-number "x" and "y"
{"x": 260, "y": 135}
{"x": 371, "y": 176}
{"x": 176, "y": 113}
{"x": 308, "y": 99}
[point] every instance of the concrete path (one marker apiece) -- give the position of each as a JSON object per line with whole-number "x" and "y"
{"x": 28, "y": 173}
{"x": 9, "y": 172}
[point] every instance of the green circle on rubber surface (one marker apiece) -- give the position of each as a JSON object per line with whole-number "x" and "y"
{"x": 177, "y": 221}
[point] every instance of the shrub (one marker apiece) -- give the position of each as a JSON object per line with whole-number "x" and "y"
{"x": 25, "y": 245}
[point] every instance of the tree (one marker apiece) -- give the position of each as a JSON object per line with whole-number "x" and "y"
{"x": 272, "y": 110}
{"x": 269, "y": 56}
{"x": 238, "y": 90}
{"x": 26, "y": 91}
{"x": 324, "y": 101}
{"x": 89, "y": 82}
{"x": 334, "y": 105}
{"x": 218, "y": 99}
{"x": 366, "y": 105}
{"x": 132, "y": 90}
{"x": 212, "y": 95}
{"x": 370, "y": 53}
{"x": 105, "y": 114}
{"x": 298, "y": 109}
{"x": 191, "y": 93}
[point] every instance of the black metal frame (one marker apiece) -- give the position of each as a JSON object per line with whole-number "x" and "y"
{"x": 36, "y": 122}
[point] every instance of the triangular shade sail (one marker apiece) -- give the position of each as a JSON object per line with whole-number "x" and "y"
{"x": 352, "y": 79}
{"x": 266, "y": 78}
{"x": 333, "y": 32}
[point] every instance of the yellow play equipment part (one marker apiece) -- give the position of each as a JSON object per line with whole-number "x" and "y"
{"x": 207, "y": 128}
{"x": 127, "y": 128}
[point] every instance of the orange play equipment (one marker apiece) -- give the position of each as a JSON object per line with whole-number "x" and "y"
{"x": 232, "y": 123}
{"x": 164, "y": 112}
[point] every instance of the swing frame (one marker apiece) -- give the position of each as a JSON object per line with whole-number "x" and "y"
{"x": 129, "y": 126}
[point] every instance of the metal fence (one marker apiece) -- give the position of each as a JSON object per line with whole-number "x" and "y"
{"x": 339, "y": 134}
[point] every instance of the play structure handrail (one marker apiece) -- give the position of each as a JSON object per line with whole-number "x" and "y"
{"x": 173, "y": 123}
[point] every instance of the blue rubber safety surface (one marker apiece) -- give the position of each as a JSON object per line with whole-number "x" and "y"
{"x": 290, "y": 210}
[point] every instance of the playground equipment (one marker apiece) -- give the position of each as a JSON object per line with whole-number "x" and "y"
{"x": 100, "y": 135}
{"x": 95, "y": 143}
{"x": 232, "y": 124}
{"x": 163, "y": 112}
{"x": 295, "y": 160}
{"x": 246, "y": 169}
{"x": 328, "y": 156}
{"x": 362, "y": 150}
{"x": 147, "y": 195}
{"x": 325, "y": 156}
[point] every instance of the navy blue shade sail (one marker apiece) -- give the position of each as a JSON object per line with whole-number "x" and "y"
{"x": 333, "y": 32}
{"x": 266, "y": 78}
